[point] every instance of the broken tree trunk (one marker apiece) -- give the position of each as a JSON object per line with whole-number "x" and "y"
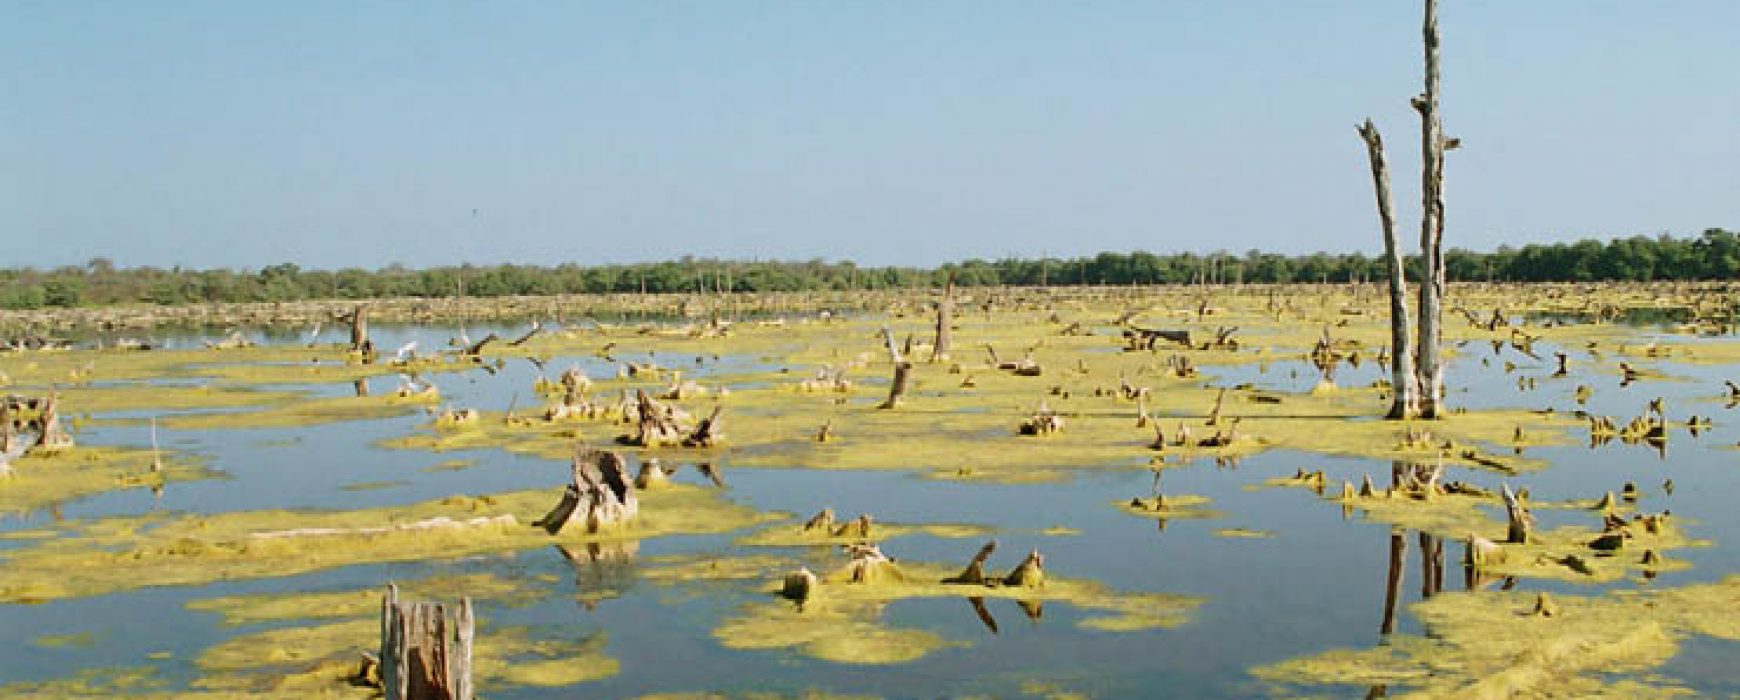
{"x": 8, "y": 434}
{"x": 1432, "y": 143}
{"x": 419, "y": 659}
{"x": 1030, "y": 573}
{"x": 945, "y": 317}
{"x": 975, "y": 571}
{"x": 1518, "y": 514}
{"x": 897, "y": 386}
{"x": 600, "y": 495}
{"x": 52, "y": 436}
{"x": 1405, "y": 400}
{"x": 359, "y": 334}
{"x": 707, "y": 432}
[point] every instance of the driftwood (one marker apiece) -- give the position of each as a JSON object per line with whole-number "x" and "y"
{"x": 419, "y": 658}
{"x": 599, "y": 497}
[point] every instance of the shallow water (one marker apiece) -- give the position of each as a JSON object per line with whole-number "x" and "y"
{"x": 1316, "y": 584}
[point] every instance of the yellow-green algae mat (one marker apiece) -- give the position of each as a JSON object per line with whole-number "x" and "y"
{"x": 41, "y": 479}
{"x": 1481, "y": 645}
{"x": 319, "y": 659}
{"x": 1563, "y": 553}
{"x": 841, "y": 621}
{"x": 124, "y": 553}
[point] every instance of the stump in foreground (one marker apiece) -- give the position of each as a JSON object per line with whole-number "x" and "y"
{"x": 425, "y": 654}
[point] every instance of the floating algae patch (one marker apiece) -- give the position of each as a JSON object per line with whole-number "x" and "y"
{"x": 841, "y": 632}
{"x": 61, "y": 641}
{"x": 323, "y": 658}
{"x": 306, "y": 411}
{"x": 789, "y": 535}
{"x": 840, "y": 620}
{"x": 1514, "y": 644}
{"x": 1238, "y": 533}
{"x": 1639, "y": 545}
{"x": 40, "y": 480}
{"x": 373, "y": 485}
{"x": 153, "y": 397}
{"x": 115, "y": 554}
{"x": 124, "y": 682}
{"x": 1167, "y": 507}
{"x": 267, "y": 607}
{"x": 450, "y": 465}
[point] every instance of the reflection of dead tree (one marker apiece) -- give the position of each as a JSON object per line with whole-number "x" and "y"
{"x": 601, "y": 569}
{"x": 600, "y": 496}
{"x": 1393, "y": 583}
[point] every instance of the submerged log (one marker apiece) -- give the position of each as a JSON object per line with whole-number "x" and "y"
{"x": 425, "y": 654}
{"x": 599, "y": 497}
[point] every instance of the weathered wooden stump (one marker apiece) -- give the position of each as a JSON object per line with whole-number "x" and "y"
{"x": 425, "y": 655}
{"x": 600, "y": 497}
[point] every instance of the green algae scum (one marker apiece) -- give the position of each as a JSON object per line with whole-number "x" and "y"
{"x": 1088, "y": 492}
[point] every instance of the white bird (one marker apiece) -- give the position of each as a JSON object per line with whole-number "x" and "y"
{"x": 314, "y": 337}
{"x": 406, "y": 351}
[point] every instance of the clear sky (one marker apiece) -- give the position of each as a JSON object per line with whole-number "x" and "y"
{"x": 242, "y": 134}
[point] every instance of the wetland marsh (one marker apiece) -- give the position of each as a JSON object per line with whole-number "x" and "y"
{"x": 230, "y": 512}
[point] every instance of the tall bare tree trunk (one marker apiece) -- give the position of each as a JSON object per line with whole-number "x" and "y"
{"x": 1431, "y": 224}
{"x": 945, "y": 317}
{"x": 1405, "y": 403}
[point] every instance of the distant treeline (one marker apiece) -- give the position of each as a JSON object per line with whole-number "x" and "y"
{"x": 1713, "y": 255}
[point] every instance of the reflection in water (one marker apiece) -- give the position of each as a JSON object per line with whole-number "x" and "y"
{"x": 978, "y": 603}
{"x": 1035, "y": 609}
{"x": 601, "y": 570}
{"x": 1393, "y": 584}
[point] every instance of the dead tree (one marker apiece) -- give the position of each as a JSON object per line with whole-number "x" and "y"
{"x": 51, "y": 436}
{"x": 600, "y": 495}
{"x": 1405, "y": 401}
{"x": 359, "y": 334}
{"x": 1432, "y": 147}
{"x": 945, "y": 317}
{"x": 425, "y": 655}
{"x": 975, "y": 571}
{"x": 706, "y": 432}
{"x": 1518, "y": 514}
{"x": 896, "y": 386}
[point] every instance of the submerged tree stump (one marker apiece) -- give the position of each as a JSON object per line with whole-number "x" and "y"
{"x": 420, "y": 659}
{"x": 600, "y": 497}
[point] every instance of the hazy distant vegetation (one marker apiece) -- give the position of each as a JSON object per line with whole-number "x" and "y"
{"x": 1713, "y": 255}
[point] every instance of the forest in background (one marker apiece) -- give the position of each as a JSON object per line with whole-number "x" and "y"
{"x": 1712, "y": 255}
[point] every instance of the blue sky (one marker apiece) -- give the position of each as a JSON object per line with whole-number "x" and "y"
{"x": 331, "y": 133}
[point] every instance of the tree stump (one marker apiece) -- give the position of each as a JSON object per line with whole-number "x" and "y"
{"x": 52, "y": 436}
{"x": 902, "y": 367}
{"x": 600, "y": 497}
{"x": 1029, "y": 574}
{"x": 1520, "y": 520}
{"x": 419, "y": 659}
